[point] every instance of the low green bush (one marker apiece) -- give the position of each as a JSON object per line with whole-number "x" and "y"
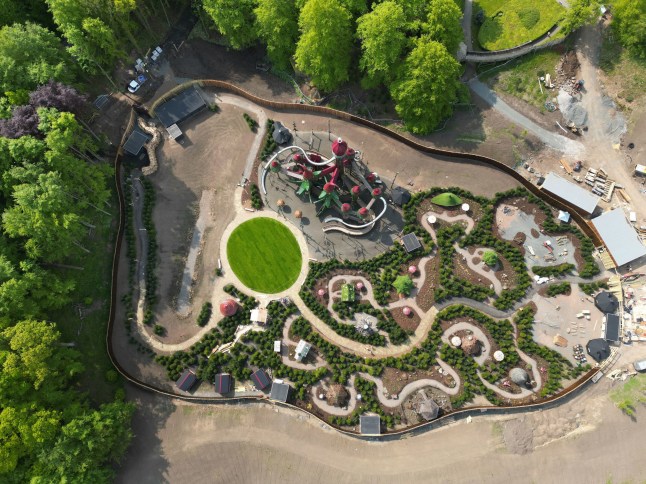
{"x": 556, "y": 289}
{"x": 548, "y": 271}
{"x": 205, "y": 314}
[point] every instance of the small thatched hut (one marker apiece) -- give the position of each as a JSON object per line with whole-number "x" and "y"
{"x": 337, "y": 395}
{"x": 471, "y": 346}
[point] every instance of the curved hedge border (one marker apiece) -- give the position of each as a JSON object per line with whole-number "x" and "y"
{"x": 445, "y": 419}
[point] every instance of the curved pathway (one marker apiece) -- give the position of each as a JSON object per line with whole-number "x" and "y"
{"x": 331, "y": 409}
{"x": 477, "y": 333}
{"x": 464, "y": 253}
{"x": 254, "y": 149}
{"x": 319, "y": 361}
{"x": 554, "y": 141}
{"x": 414, "y": 386}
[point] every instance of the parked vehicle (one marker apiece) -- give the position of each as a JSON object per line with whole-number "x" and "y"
{"x": 640, "y": 365}
{"x": 135, "y": 84}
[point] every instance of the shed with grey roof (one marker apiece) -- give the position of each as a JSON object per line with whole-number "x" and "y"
{"x": 136, "y": 142}
{"x": 180, "y": 107}
{"x": 370, "y": 425}
{"x": 570, "y": 192}
{"x": 411, "y": 242}
{"x": 619, "y": 236}
{"x": 279, "y": 391}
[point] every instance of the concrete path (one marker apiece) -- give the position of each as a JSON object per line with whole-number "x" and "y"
{"x": 331, "y": 409}
{"x": 254, "y": 149}
{"x": 466, "y": 23}
{"x": 477, "y": 333}
{"x": 414, "y": 386}
{"x": 464, "y": 253}
{"x": 554, "y": 141}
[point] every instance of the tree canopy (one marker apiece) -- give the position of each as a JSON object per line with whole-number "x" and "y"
{"x": 277, "y": 23}
{"x": 31, "y": 55}
{"x": 444, "y": 24}
{"x": 234, "y": 19}
{"x": 629, "y": 22}
{"x": 426, "y": 87}
{"x": 324, "y": 49}
{"x": 48, "y": 433}
{"x": 383, "y": 40}
{"x": 403, "y": 285}
{"x": 490, "y": 258}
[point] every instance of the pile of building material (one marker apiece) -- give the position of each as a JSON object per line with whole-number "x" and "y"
{"x": 600, "y": 184}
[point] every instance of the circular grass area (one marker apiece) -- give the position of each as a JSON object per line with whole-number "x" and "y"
{"x": 265, "y": 255}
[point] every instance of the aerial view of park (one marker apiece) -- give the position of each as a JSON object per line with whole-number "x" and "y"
{"x": 313, "y": 240}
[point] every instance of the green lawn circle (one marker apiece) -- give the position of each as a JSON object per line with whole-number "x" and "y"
{"x": 264, "y": 255}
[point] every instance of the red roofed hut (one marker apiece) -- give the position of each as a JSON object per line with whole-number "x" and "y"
{"x": 228, "y": 307}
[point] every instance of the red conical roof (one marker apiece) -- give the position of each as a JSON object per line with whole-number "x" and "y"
{"x": 376, "y": 192}
{"x": 228, "y": 307}
{"x": 298, "y": 157}
{"x": 346, "y": 207}
{"x": 328, "y": 187}
{"x": 339, "y": 147}
{"x": 363, "y": 211}
{"x": 356, "y": 189}
{"x": 371, "y": 177}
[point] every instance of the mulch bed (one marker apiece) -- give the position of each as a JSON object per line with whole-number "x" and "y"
{"x": 395, "y": 380}
{"x": 426, "y": 295}
{"x": 535, "y": 233}
{"x": 462, "y": 271}
{"x": 407, "y": 323}
{"x": 506, "y": 273}
{"x": 445, "y": 325}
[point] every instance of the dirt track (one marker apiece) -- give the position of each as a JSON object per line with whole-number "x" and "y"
{"x": 574, "y": 443}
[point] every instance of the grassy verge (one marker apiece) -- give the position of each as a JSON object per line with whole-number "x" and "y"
{"x": 92, "y": 296}
{"x": 520, "y": 77}
{"x": 264, "y": 255}
{"x": 508, "y": 23}
{"x": 628, "y": 395}
{"x": 626, "y": 74}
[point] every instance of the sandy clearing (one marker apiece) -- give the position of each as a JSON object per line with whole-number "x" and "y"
{"x": 178, "y": 442}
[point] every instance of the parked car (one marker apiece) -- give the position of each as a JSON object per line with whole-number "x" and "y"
{"x": 640, "y": 365}
{"x": 135, "y": 84}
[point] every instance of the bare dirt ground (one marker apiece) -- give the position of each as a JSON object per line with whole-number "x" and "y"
{"x": 209, "y": 158}
{"x": 392, "y": 159}
{"x": 576, "y": 443}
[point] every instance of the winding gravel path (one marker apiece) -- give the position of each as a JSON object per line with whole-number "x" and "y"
{"x": 477, "y": 333}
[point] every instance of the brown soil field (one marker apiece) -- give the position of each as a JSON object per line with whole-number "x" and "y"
{"x": 576, "y": 442}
